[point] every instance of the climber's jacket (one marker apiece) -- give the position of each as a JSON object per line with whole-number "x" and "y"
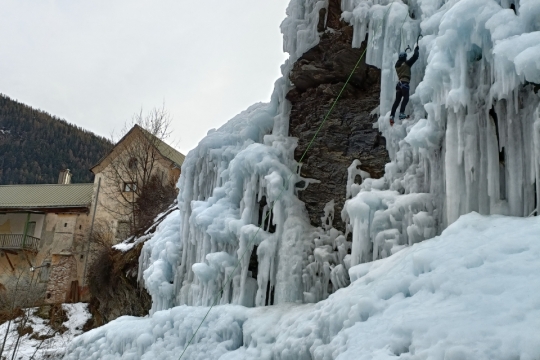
{"x": 403, "y": 68}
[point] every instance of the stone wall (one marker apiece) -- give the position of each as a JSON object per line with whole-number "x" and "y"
{"x": 63, "y": 272}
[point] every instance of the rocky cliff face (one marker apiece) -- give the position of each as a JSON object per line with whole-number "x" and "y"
{"x": 348, "y": 133}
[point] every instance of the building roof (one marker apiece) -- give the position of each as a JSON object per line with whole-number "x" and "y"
{"x": 163, "y": 148}
{"x": 46, "y": 196}
{"x": 167, "y": 151}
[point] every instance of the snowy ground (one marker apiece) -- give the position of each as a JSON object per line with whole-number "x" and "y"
{"x": 471, "y": 293}
{"x": 53, "y": 348}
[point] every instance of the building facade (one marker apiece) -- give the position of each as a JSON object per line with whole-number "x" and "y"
{"x": 44, "y": 238}
{"x": 136, "y": 160}
{"x": 49, "y": 232}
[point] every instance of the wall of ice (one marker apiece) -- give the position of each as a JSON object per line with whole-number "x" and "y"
{"x": 242, "y": 176}
{"x": 472, "y": 143}
{"x": 473, "y": 138}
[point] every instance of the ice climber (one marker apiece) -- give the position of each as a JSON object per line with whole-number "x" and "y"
{"x": 403, "y": 69}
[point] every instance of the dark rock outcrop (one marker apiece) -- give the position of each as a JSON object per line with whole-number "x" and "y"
{"x": 114, "y": 288}
{"x": 348, "y": 133}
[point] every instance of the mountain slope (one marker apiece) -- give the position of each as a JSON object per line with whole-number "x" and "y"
{"x": 35, "y": 146}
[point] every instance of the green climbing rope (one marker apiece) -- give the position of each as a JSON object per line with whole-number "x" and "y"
{"x": 217, "y": 296}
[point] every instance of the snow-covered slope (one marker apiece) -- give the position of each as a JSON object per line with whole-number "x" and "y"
{"x": 32, "y": 336}
{"x": 469, "y": 294}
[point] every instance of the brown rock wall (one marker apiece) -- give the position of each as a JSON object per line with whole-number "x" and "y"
{"x": 348, "y": 132}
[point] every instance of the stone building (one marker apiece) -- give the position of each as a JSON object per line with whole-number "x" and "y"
{"x": 44, "y": 236}
{"x": 45, "y": 229}
{"x": 122, "y": 173}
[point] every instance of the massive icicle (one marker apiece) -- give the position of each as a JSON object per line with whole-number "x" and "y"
{"x": 472, "y": 144}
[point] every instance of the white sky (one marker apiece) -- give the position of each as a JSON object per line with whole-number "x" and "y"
{"x": 95, "y": 63}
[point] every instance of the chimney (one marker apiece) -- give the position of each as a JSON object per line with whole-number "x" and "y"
{"x": 64, "y": 177}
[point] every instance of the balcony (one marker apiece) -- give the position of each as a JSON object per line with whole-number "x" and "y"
{"x": 18, "y": 242}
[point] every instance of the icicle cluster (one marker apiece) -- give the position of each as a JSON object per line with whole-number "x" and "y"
{"x": 472, "y": 141}
{"x": 436, "y": 300}
{"x": 241, "y": 177}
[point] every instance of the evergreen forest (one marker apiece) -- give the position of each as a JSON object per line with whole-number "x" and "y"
{"x": 35, "y": 146}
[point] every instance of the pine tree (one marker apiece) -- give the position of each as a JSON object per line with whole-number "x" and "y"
{"x": 35, "y": 146}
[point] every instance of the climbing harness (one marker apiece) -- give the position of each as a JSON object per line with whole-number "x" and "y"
{"x": 216, "y": 297}
{"x": 401, "y": 85}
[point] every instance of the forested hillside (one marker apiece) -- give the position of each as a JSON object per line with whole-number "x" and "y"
{"x": 35, "y": 146}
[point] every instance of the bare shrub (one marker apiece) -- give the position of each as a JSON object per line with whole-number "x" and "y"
{"x": 156, "y": 197}
{"x": 20, "y": 293}
{"x": 112, "y": 281}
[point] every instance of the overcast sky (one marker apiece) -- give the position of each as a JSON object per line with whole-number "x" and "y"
{"x": 96, "y": 62}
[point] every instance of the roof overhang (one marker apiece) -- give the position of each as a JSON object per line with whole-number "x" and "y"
{"x": 46, "y": 209}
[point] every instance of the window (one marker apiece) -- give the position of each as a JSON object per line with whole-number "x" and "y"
{"x": 132, "y": 163}
{"x": 130, "y": 187}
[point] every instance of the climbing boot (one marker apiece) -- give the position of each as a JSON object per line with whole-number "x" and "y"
{"x": 402, "y": 116}
{"x": 391, "y": 121}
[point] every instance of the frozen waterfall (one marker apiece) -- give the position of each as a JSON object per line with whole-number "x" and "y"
{"x": 472, "y": 143}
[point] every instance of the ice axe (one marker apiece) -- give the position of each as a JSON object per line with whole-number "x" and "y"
{"x": 408, "y": 48}
{"x": 418, "y": 39}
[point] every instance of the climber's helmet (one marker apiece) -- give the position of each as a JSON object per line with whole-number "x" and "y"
{"x": 403, "y": 56}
